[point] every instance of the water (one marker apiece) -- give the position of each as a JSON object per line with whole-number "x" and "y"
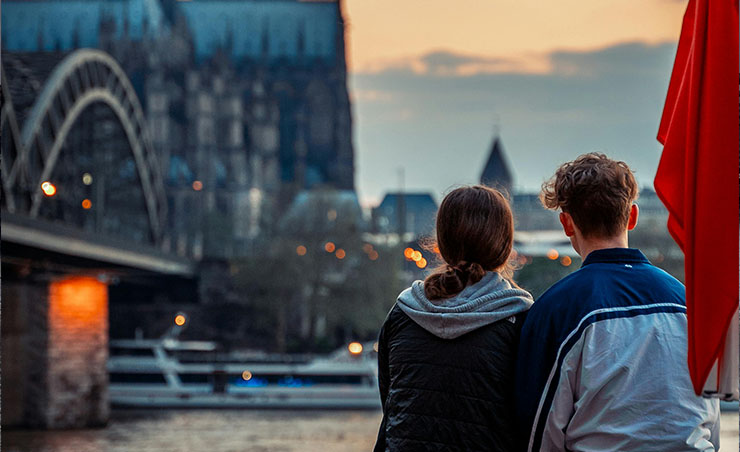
{"x": 234, "y": 431}
{"x": 210, "y": 431}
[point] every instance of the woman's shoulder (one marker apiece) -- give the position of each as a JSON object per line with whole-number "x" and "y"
{"x": 394, "y": 317}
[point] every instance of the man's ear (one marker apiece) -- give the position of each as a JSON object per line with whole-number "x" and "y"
{"x": 567, "y": 221}
{"x": 634, "y": 213}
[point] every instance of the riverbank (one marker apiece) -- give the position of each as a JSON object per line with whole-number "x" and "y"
{"x": 234, "y": 431}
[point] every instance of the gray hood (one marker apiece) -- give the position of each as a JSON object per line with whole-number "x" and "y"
{"x": 489, "y": 300}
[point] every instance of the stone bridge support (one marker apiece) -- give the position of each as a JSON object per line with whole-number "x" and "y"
{"x": 54, "y": 352}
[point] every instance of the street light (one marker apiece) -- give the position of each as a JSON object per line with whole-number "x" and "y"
{"x": 48, "y": 188}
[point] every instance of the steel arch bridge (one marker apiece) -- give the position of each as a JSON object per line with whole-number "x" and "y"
{"x": 82, "y": 78}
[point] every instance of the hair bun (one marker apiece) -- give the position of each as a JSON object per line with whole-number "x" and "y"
{"x": 453, "y": 280}
{"x": 470, "y": 272}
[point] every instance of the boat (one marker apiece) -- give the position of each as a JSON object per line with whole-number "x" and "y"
{"x": 170, "y": 373}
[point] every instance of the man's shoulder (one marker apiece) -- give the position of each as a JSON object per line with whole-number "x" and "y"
{"x": 566, "y": 291}
{"x": 595, "y": 287}
{"x": 657, "y": 276}
{"x": 604, "y": 282}
{"x": 560, "y": 308}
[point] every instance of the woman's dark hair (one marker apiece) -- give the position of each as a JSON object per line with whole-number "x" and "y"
{"x": 475, "y": 234}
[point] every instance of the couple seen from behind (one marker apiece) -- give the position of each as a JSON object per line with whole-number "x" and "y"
{"x": 468, "y": 362}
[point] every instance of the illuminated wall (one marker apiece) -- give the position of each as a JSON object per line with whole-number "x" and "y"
{"x": 54, "y": 352}
{"x": 77, "y": 352}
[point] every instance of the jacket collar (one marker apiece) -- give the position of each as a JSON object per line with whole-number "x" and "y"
{"x": 616, "y": 256}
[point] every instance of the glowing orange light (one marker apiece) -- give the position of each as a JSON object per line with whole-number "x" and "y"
{"x": 367, "y": 248}
{"x": 408, "y": 253}
{"x": 416, "y": 257}
{"x": 566, "y": 261}
{"x": 197, "y": 185}
{"x": 552, "y": 254}
{"x": 340, "y": 254}
{"x": 246, "y": 375}
{"x": 421, "y": 263}
{"x": 48, "y": 188}
{"x": 301, "y": 250}
{"x": 179, "y": 320}
{"x": 78, "y": 304}
{"x": 329, "y": 247}
{"x": 373, "y": 255}
{"x": 86, "y": 203}
{"x": 436, "y": 249}
{"x": 355, "y": 348}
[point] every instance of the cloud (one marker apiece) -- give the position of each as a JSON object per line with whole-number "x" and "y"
{"x": 625, "y": 59}
{"x": 371, "y": 95}
{"x": 449, "y": 63}
{"x": 438, "y": 122}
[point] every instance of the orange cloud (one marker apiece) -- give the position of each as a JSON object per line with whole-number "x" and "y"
{"x": 383, "y": 33}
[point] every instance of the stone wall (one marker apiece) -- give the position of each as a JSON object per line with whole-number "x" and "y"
{"x": 55, "y": 351}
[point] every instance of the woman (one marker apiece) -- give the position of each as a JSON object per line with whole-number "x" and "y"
{"x": 447, "y": 349}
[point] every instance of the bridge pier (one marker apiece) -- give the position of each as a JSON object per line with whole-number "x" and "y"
{"x": 54, "y": 352}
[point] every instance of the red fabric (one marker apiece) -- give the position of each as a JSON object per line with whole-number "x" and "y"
{"x": 697, "y": 177}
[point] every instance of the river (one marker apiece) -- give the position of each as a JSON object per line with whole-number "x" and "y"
{"x": 233, "y": 431}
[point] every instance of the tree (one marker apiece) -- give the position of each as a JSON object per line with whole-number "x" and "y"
{"x": 315, "y": 279}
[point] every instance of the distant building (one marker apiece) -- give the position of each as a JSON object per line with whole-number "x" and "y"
{"x": 653, "y": 213}
{"x": 322, "y": 212}
{"x": 407, "y": 213}
{"x": 496, "y": 173}
{"x": 530, "y": 215}
{"x": 246, "y": 101}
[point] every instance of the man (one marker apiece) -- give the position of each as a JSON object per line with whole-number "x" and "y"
{"x": 602, "y": 359}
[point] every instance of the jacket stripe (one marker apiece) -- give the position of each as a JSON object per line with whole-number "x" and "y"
{"x": 548, "y": 393}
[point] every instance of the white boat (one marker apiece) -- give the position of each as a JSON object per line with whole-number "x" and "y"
{"x": 169, "y": 373}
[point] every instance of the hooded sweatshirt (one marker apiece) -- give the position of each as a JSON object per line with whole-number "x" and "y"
{"x": 489, "y": 300}
{"x": 446, "y": 368}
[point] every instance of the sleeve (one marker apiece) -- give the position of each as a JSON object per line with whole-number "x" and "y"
{"x": 383, "y": 383}
{"x": 561, "y": 406}
{"x": 524, "y": 389}
{"x": 535, "y": 360}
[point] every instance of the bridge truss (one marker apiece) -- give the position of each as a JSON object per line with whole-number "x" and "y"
{"x": 82, "y": 81}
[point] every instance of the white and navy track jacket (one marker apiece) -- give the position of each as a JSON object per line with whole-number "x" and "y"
{"x": 602, "y": 363}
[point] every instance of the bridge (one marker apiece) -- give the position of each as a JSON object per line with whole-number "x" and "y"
{"x": 83, "y": 207}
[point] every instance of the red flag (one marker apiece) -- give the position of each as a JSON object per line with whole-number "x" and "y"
{"x": 697, "y": 177}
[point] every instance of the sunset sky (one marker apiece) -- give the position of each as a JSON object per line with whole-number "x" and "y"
{"x": 429, "y": 80}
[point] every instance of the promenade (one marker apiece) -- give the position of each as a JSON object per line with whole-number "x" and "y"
{"x": 234, "y": 431}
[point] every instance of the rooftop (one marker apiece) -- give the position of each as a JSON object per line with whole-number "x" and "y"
{"x": 278, "y": 29}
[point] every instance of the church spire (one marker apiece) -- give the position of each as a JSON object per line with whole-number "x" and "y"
{"x": 496, "y": 172}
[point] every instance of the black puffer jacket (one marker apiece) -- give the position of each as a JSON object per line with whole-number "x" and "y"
{"x": 451, "y": 394}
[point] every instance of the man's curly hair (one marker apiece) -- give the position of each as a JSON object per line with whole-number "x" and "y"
{"x": 596, "y": 191}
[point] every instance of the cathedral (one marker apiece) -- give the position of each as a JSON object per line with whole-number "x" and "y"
{"x": 246, "y": 102}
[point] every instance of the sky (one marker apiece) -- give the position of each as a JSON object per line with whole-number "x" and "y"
{"x": 432, "y": 82}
